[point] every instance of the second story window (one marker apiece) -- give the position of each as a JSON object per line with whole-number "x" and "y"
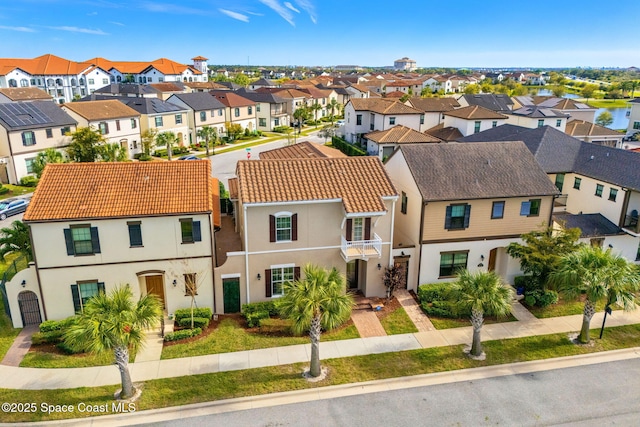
{"x": 497, "y": 210}
{"x": 576, "y": 183}
{"x": 403, "y": 203}
{"x": 134, "y": 124}
{"x": 358, "y": 229}
{"x": 49, "y": 133}
{"x": 190, "y": 230}
{"x": 392, "y": 121}
{"x": 28, "y": 138}
{"x": 599, "y": 189}
{"x": 117, "y": 124}
{"x": 250, "y": 110}
{"x": 540, "y": 123}
{"x": 558, "y": 123}
{"x": 457, "y": 217}
{"x": 494, "y": 123}
{"x": 358, "y": 119}
{"x": 283, "y": 227}
{"x": 159, "y": 121}
{"x": 82, "y": 240}
{"x": 135, "y": 234}
{"x": 179, "y": 118}
{"x": 103, "y": 127}
{"x": 476, "y": 126}
{"x": 530, "y": 207}
{"x": 613, "y": 193}
{"x": 236, "y": 112}
{"x": 203, "y": 116}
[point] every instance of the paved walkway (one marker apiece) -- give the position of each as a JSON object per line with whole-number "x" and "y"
{"x": 367, "y": 323}
{"x": 153, "y": 341}
{"x": 20, "y": 346}
{"x": 35, "y": 379}
{"x": 414, "y": 311}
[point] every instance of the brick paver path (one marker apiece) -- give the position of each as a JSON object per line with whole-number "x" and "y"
{"x": 414, "y": 311}
{"x": 20, "y": 346}
{"x": 367, "y": 323}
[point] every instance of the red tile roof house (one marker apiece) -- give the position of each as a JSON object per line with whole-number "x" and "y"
{"x": 95, "y": 226}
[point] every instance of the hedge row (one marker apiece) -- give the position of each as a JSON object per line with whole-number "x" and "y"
{"x": 256, "y": 312}
{"x": 55, "y": 325}
{"x": 346, "y": 148}
{"x": 198, "y": 322}
{"x": 182, "y": 334}
{"x": 204, "y": 312}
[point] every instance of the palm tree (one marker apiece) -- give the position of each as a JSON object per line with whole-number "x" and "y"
{"x": 15, "y": 239}
{"x": 332, "y": 106}
{"x": 601, "y": 276}
{"x": 301, "y": 115}
{"x": 114, "y": 322}
{"x": 481, "y": 292}
{"x": 167, "y": 139}
{"x": 49, "y": 155}
{"x": 315, "y": 107}
{"x": 317, "y": 302}
{"x": 113, "y": 153}
{"x": 208, "y": 134}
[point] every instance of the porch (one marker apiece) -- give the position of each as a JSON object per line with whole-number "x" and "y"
{"x": 361, "y": 249}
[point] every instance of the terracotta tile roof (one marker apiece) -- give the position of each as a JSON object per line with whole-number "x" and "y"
{"x": 361, "y": 88}
{"x": 382, "y": 106}
{"x": 233, "y": 188}
{"x": 204, "y": 85}
{"x": 315, "y": 92}
{"x": 25, "y": 93}
{"x": 73, "y": 191}
{"x": 475, "y": 112}
{"x": 215, "y": 202}
{"x": 301, "y": 150}
{"x": 360, "y": 182}
{"x": 447, "y": 134}
{"x": 101, "y": 110}
{"x": 166, "y": 87}
{"x": 43, "y": 65}
{"x": 395, "y": 94}
{"x": 579, "y": 128}
{"x": 404, "y": 83}
{"x": 434, "y": 105}
{"x": 230, "y": 99}
{"x": 285, "y": 93}
{"x": 167, "y": 66}
{"x": 401, "y": 135}
{"x": 199, "y": 58}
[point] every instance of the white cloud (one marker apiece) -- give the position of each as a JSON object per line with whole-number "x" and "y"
{"x": 235, "y": 15}
{"x": 171, "y": 8}
{"x": 92, "y": 13}
{"x": 308, "y": 7}
{"x": 280, "y": 10}
{"x": 80, "y": 30}
{"x": 21, "y": 29}
{"x": 290, "y": 6}
{"x": 120, "y": 24}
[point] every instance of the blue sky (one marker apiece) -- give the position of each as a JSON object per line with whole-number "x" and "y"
{"x": 460, "y": 33}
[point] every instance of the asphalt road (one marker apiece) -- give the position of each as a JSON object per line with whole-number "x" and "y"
{"x": 223, "y": 165}
{"x": 595, "y": 395}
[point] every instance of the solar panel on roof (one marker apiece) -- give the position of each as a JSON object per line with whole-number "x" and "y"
{"x": 23, "y": 114}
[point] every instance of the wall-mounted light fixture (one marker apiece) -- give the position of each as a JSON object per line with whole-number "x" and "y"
{"x": 175, "y": 283}
{"x": 610, "y": 246}
{"x": 379, "y": 266}
{"x": 481, "y": 257}
{"x": 402, "y": 253}
{"x": 24, "y": 283}
{"x": 258, "y": 276}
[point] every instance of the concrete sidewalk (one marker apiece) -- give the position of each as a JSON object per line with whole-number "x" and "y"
{"x": 35, "y": 378}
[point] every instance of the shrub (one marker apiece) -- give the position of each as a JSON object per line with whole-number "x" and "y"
{"x": 281, "y": 129}
{"x": 254, "y": 319}
{"x": 547, "y": 298}
{"x": 3, "y": 189}
{"x": 529, "y": 283}
{"x": 55, "y": 325}
{"x": 204, "y": 312}
{"x": 66, "y": 349}
{"x": 29, "y": 181}
{"x": 268, "y": 306}
{"x": 346, "y": 148}
{"x": 530, "y": 300}
{"x": 433, "y": 292}
{"x": 51, "y": 337}
{"x": 182, "y": 334}
{"x": 198, "y": 322}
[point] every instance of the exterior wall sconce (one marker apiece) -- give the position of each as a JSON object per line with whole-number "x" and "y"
{"x": 258, "y": 276}
{"x": 481, "y": 263}
{"x": 610, "y": 246}
{"x": 24, "y": 283}
{"x": 175, "y": 283}
{"x": 379, "y": 266}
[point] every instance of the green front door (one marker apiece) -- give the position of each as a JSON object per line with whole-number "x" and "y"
{"x": 231, "y": 294}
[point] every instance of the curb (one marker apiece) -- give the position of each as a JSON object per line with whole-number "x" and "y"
{"x": 352, "y": 389}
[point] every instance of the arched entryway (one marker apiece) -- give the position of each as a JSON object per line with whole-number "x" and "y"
{"x": 29, "y": 308}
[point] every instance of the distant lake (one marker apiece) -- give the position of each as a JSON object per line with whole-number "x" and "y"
{"x": 620, "y": 118}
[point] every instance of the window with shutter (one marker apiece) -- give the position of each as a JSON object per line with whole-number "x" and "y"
{"x": 279, "y": 276}
{"x": 190, "y": 230}
{"x": 457, "y": 217}
{"x": 82, "y": 240}
{"x": 82, "y": 292}
{"x": 283, "y": 227}
{"x": 135, "y": 234}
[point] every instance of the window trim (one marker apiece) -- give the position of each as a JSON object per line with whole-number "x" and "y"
{"x": 403, "y": 203}
{"x": 448, "y": 221}
{"x": 530, "y": 204}
{"x": 131, "y": 225}
{"x": 599, "y": 190}
{"x": 76, "y": 293}
{"x": 613, "y": 194}
{"x": 453, "y": 263}
{"x": 576, "y": 183}
{"x": 493, "y": 208}
{"x": 70, "y": 242}
{"x": 269, "y": 282}
{"x": 28, "y": 136}
{"x": 196, "y": 231}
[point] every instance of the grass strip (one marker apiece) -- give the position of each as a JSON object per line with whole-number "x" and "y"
{"x": 225, "y": 385}
{"x": 398, "y": 322}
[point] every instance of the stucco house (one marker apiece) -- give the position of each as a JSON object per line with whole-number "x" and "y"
{"x": 238, "y": 109}
{"x": 383, "y": 143}
{"x": 204, "y": 110}
{"x": 462, "y": 204}
{"x": 95, "y": 226}
{"x": 364, "y": 115}
{"x": 473, "y": 119}
{"x": 532, "y": 116}
{"x": 335, "y": 212}
{"x": 433, "y": 109}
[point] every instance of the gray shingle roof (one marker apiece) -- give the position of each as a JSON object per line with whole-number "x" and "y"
{"x": 495, "y": 102}
{"x": 476, "y": 171}
{"x": 538, "y": 112}
{"x": 558, "y": 152}
{"x": 151, "y": 105}
{"x": 199, "y": 101}
{"x": 127, "y": 88}
{"x": 591, "y": 225}
{"x": 267, "y": 97}
{"x": 33, "y": 115}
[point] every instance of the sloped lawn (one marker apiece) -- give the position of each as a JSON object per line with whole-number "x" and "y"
{"x": 230, "y": 334}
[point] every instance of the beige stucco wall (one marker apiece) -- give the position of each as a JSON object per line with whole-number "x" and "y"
{"x": 480, "y": 223}
{"x": 584, "y": 200}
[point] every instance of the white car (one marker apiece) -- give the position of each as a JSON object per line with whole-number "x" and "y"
{"x": 340, "y": 123}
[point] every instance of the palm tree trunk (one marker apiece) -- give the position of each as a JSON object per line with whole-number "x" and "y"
{"x": 589, "y": 311}
{"x": 122, "y": 360}
{"x": 314, "y": 334}
{"x": 476, "y": 321}
{"x": 206, "y": 141}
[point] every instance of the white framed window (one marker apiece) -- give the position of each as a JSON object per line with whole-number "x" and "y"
{"x": 280, "y": 274}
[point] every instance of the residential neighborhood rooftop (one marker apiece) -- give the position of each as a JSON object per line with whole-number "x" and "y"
{"x": 382, "y": 106}
{"x": 434, "y": 105}
{"x": 101, "y": 110}
{"x": 401, "y": 135}
{"x": 579, "y": 128}
{"x": 33, "y": 115}
{"x": 301, "y": 150}
{"x": 24, "y": 93}
{"x": 590, "y": 225}
{"x": 70, "y": 191}
{"x": 474, "y": 112}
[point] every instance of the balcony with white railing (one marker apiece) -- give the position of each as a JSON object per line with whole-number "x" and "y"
{"x": 361, "y": 249}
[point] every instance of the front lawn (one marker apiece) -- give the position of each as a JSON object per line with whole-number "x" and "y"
{"x": 51, "y": 358}
{"x": 7, "y": 332}
{"x": 230, "y": 334}
{"x": 562, "y": 308}
{"x": 394, "y": 319}
{"x": 448, "y": 323}
{"x": 16, "y": 190}
{"x": 225, "y": 385}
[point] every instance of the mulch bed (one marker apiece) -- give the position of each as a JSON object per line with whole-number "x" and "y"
{"x": 213, "y": 324}
{"x": 388, "y": 308}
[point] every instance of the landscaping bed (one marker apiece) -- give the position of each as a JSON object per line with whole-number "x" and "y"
{"x": 562, "y": 308}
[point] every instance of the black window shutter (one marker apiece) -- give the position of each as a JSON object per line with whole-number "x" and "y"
{"x": 197, "y": 234}
{"x": 95, "y": 241}
{"x": 349, "y": 228}
{"x": 69, "y": 241}
{"x": 367, "y": 229}
{"x": 272, "y": 228}
{"x": 296, "y": 273}
{"x": 101, "y": 287}
{"x": 267, "y": 283}
{"x": 135, "y": 235}
{"x": 447, "y": 219}
{"x": 294, "y": 227}
{"x": 467, "y": 215}
{"x": 24, "y": 140}
{"x": 75, "y": 294}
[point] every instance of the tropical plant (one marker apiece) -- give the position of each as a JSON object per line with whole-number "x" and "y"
{"x": 209, "y": 134}
{"x": 604, "y": 119}
{"x": 234, "y": 130}
{"x": 85, "y": 145}
{"x": 541, "y": 250}
{"x": 332, "y": 106}
{"x": 114, "y": 322}
{"x": 301, "y": 114}
{"x": 112, "y": 153}
{"x": 599, "y": 275}
{"x": 481, "y": 292}
{"x": 49, "y": 155}
{"x": 315, "y": 107}
{"x": 317, "y": 302}
{"x": 15, "y": 239}
{"x": 167, "y": 139}
{"x": 148, "y": 140}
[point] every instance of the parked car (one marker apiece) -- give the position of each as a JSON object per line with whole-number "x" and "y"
{"x": 340, "y": 123}
{"x": 189, "y": 157}
{"x": 9, "y": 207}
